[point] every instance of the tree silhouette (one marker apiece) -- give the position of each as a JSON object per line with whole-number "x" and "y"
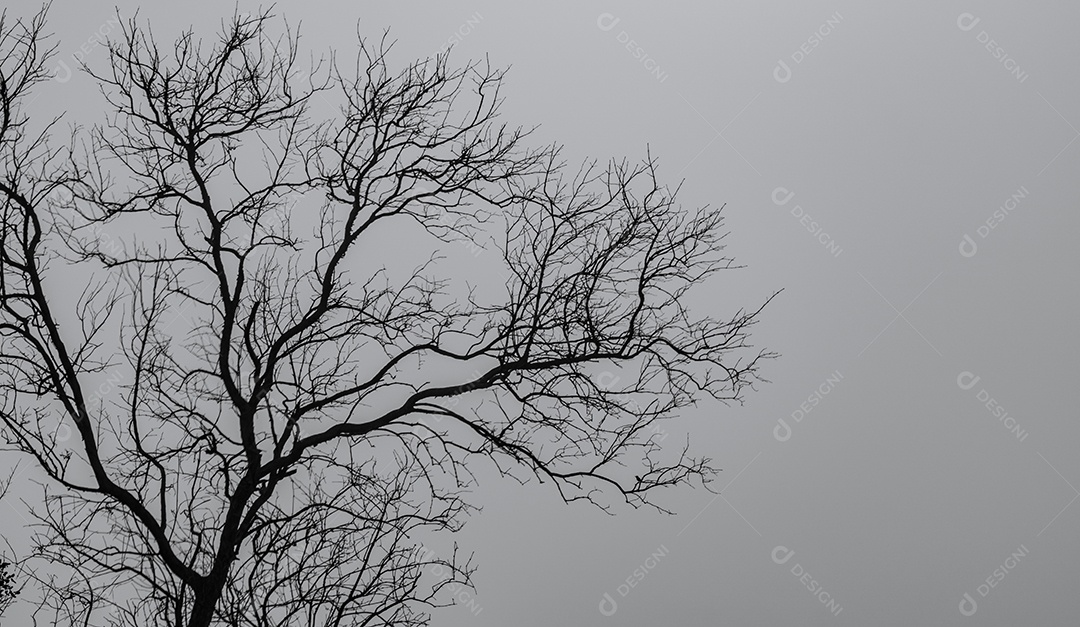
{"x": 9, "y": 581}
{"x": 257, "y": 408}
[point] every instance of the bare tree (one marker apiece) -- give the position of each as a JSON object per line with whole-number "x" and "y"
{"x": 9, "y": 579}
{"x": 293, "y": 409}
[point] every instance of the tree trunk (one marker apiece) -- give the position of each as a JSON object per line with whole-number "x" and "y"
{"x": 206, "y": 600}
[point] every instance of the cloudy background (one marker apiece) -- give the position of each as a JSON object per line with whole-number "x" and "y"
{"x": 907, "y": 174}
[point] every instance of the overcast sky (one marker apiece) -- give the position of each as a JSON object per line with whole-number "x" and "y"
{"x": 908, "y": 175}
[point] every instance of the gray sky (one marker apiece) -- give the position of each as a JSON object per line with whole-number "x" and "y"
{"x": 855, "y": 146}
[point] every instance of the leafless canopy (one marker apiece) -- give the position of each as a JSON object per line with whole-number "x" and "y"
{"x": 256, "y": 408}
